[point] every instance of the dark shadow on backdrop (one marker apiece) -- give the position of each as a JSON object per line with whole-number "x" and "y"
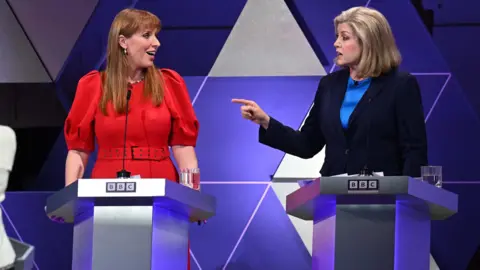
{"x": 427, "y": 15}
{"x": 33, "y": 111}
{"x": 308, "y": 34}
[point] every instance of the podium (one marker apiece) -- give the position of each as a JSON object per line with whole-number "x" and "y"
{"x": 126, "y": 224}
{"x": 371, "y": 223}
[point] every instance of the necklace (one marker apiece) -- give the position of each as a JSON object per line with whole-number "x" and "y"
{"x": 137, "y": 81}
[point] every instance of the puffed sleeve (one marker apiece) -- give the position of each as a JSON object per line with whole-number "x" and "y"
{"x": 79, "y": 125}
{"x": 185, "y": 125}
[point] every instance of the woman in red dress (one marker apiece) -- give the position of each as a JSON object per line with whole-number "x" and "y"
{"x": 160, "y": 113}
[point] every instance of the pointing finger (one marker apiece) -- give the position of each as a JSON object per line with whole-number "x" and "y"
{"x": 243, "y": 101}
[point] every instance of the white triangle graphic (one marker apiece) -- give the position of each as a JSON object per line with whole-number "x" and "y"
{"x": 266, "y": 41}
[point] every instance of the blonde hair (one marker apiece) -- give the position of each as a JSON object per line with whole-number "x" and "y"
{"x": 379, "y": 51}
{"x": 115, "y": 84}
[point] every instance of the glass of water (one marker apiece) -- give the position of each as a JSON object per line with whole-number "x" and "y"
{"x": 432, "y": 175}
{"x": 190, "y": 178}
{"x": 195, "y": 178}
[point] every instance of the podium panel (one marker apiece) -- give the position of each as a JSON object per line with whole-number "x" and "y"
{"x": 129, "y": 223}
{"x": 25, "y": 254}
{"x": 371, "y": 222}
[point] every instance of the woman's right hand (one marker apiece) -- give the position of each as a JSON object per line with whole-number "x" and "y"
{"x": 251, "y": 111}
{"x": 75, "y": 166}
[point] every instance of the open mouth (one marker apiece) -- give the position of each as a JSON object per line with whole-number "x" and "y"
{"x": 151, "y": 53}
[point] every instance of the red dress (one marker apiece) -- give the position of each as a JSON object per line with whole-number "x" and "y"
{"x": 151, "y": 130}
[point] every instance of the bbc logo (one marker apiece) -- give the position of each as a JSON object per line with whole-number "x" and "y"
{"x": 371, "y": 184}
{"x": 121, "y": 187}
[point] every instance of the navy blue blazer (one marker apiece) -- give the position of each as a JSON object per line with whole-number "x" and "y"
{"x": 386, "y": 131}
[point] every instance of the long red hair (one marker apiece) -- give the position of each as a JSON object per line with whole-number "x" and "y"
{"x": 128, "y": 22}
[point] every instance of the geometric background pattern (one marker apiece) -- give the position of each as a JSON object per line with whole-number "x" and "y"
{"x": 273, "y": 52}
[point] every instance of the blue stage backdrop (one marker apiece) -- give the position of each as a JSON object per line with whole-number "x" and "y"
{"x": 273, "y": 52}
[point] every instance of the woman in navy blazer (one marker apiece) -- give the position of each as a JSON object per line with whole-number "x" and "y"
{"x": 369, "y": 115}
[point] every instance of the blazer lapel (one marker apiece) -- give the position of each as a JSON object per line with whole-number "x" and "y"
{"x": 338, "y": 94}
{"x": 372, "y": 91}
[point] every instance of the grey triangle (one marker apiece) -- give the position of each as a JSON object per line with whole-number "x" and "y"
{"x": 266, "y": 41}
{"x": 52, "y": 40}
{"x": 19, "y": 63}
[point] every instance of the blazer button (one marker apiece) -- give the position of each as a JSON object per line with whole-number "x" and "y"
{"x": 346, "y": 151}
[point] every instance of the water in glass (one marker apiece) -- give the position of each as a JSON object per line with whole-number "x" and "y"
{"x": 432, "y": 175}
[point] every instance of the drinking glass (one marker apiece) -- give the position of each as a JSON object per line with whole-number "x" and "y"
{"x": 195, "y": 178}
{"x": 190, "y": 178}
{"x": 432, "y": 175}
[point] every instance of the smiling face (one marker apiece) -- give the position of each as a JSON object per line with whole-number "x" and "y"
{"x": 140, "y": 48}
{"x": 347, "y": 46}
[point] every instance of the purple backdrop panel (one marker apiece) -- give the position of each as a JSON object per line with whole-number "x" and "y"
{"x": 193, "y": 84}
{"x": 430, "y": 86}
{"x": 52, "y": 241}
{"x": 190, "y": 52}
{"x": 459, "y": 47}
{"x": 418, "y": 50}
{"x": 454, "y": 11}
{"x": 228, "y": 147}
{"x": 213, "y": 242}
{"x": 453, "y": 130}
{"x": 193, "y": 265}
{"x": 271, "y": 241}
{"x": 52, "y": 175}
{"x": 455, "y": 240}
{"x": 194, "y": 13}
{"x": 315, "y": 17}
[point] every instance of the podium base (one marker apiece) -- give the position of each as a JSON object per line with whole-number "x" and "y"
{"x": 130, "y": 237}
{"x": 371, "y": 237}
